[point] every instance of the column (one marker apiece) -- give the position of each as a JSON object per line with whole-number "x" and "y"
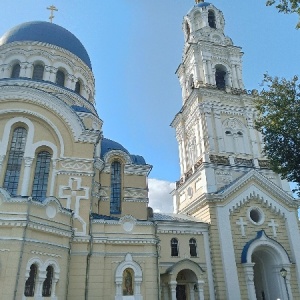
{"x": 210, "y": 73}
{"x": 47, "y": 73}
{"x": 53, "y": 175}
{"x": 219, "y": 130}
{"x": 23, "y": 67}
{"x": 52, "y": 74}
{"x": 200, "y": 286}
{"x": 249, "y": 274}
{"x": 192, "y": 291}
{"x": 205, "y": 70}
{"x": 70, "y": 83}
{"x": 165, "y": 293}
{"x": 6, "y": 72}
{"x": 210, "y": 131}
{"x": 253, "y": 140}
{"x": 173, "y": 285}
{"x": 2, "y": 158}
{"x": 239, "y": 77}
{"x": 26, "y": 175}
{"x": 234, "y": 79}
{"x": 229, "y": 78}
{"x": 39, "y": 285}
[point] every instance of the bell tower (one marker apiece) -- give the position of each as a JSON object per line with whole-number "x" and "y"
{"x": 215, "y": 127}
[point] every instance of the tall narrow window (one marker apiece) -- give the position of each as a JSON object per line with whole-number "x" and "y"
{"x": 30, "y": 282}
{"x": 128, "y": 284}
{"x": 16, "y": 153}
{"x": 211, "y": 19}
{"x": 115, "y": 192}
{"x": 47, "y": 285}
{"x": 220, "y": 77}
{"x": 38, "y": 72}
{"x": 60, "y": 78}
{"x": 16, "y": 71}
{"x": 41, "y": 175}
{"x": 174, "y": 247}
{"x": 77, "y": 87}
{"x": 193, "y": 248}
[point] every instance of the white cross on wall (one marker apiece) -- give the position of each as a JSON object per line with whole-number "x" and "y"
{"x": 242, "y": 224}
{"x": 274, "y": 227}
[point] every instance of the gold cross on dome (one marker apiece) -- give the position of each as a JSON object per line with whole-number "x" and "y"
{"x": 52, "y": 8}
{"x": 198, "y": 1}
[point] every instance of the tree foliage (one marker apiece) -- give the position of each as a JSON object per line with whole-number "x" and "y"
{"x": 286, "y": 6}
{"x": 279, "y": 122}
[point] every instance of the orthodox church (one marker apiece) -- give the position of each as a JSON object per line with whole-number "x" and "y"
{"x": 74, "y": 217}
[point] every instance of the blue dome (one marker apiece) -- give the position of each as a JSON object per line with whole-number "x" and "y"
{"x": 46, "y": 32}
{"x": 202, "y": 4}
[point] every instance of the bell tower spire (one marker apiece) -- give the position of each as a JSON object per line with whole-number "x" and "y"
{"x": 215, "y": 126}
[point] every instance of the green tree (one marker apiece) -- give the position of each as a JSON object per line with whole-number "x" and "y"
{"x": 286, "y": 6}
{"x": 278, "y": 105}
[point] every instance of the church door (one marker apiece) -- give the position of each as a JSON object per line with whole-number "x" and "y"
{"x": 180, "y": 292}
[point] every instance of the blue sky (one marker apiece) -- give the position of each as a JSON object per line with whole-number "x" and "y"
{"x": 135, "y": 47}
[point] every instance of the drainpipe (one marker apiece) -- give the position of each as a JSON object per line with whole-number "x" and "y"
{"x": 157, "y": 261}
{"x": 69, "y": 255}
{"x": 91, "y": 244}
{"x": 22, "y": 248}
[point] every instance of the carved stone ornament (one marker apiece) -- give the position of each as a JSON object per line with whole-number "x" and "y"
{"x": 128, "y": 222}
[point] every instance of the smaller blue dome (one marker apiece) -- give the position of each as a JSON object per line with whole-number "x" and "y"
{"x": 202, "y": 4}
{"x": 109, "y": 145}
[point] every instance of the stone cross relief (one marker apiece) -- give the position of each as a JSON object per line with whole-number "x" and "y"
{"x": 274, "y": 226}
{"x": 74, "y": 192}
{"x": 242, "y": 224}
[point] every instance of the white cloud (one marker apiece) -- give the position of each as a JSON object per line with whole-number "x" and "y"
{"x": 160, "y": 198}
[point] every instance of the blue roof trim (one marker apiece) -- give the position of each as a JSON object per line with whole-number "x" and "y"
{"x": 80, "y": 109}
{"x": 138, "y": 160}
{"x": 103, "y": 217}
{"x": 45, "y": 32}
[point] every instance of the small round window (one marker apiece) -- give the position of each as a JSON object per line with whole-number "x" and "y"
{"x": 256, "y": 215}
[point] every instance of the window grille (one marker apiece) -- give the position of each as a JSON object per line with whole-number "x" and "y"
{"x": 16, "y": 153}
{"x": 16, "y": 71}
{"x": 41, "y": 175}
{"x": 60, "y": 78}
{"x": 115, "y": 193}
{"x": 174, "y": 247}
{"x": 193, "y": 248}
{"x": 30, "y": 282}
{"x": 38, "y": 72}
{"x": 47, "y": 285}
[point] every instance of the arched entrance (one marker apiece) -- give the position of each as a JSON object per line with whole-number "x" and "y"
{"x": 186, "y": 285}
{"x": 263, "y": 258}
{"x": 267, "y": 279}
{"x": 183, "y": 281}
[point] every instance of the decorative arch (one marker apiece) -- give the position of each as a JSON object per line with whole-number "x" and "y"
{"x": 52, "y": 103}
{"x": 115, "y": 154}
{"x": 137, "y": 279}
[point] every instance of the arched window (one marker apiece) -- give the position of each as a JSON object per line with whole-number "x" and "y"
{"x": 47, "y": 285}
{"x": 220, "y": 77}
{"x": 187, "y": 30}
{"x": 30, "y": 282}
{"x": 41, "y": 175}
{"x": 16, "y": 153}
{"x": 115, "y": 188}
{"x": 60, "y": 78}
{"x": 38, "y": 72}
{"x": 78, "y": 87}
{"x": 193, "y": 248}
{"x": 128, "y": 284}
{"x": 211, "y": 19}
{"x": 174, "y": 247}
{"x": 15, "y": 71}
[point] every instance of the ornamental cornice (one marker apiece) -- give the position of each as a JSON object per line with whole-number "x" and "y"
{"x": 21, "y": 46}
{"x": 50, "y": 102}
{"x": 45, "y": 254}
{"x": 76, "y": 164}
{"x": 126, "y": 241}
{"x": 75, "y": 173}
{"x": 129, "y": 199}
{"x": 140, "y": 170}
